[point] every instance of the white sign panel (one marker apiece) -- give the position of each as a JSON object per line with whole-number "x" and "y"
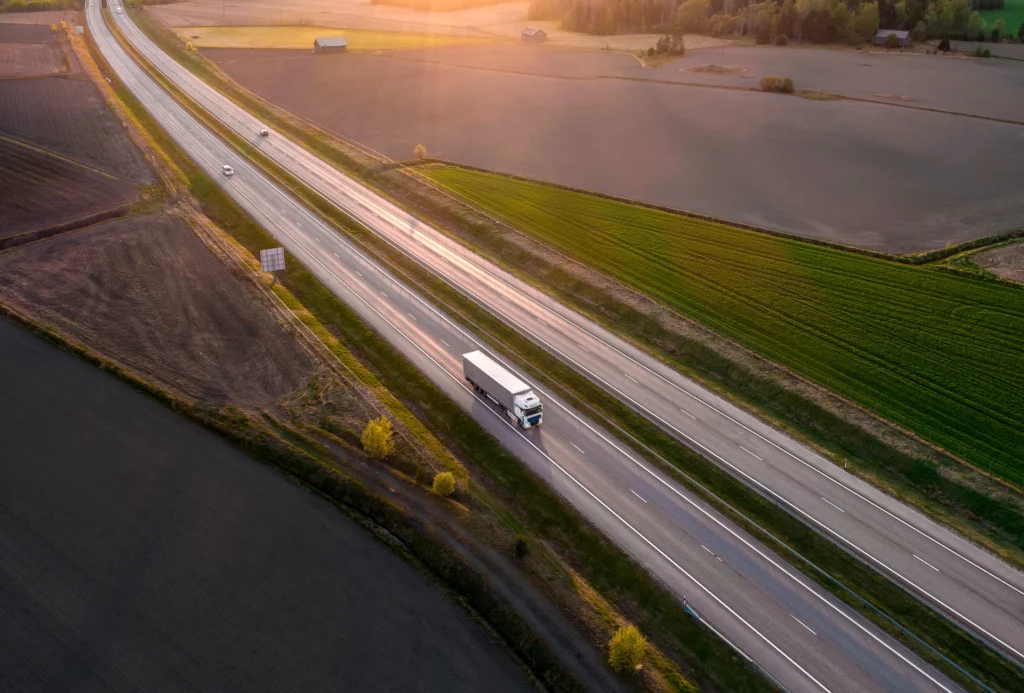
{"x": 272, "y": 259}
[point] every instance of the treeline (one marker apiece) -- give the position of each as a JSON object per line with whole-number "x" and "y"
{"x": 820, "y": 21}
{"x": 38, "y": 5}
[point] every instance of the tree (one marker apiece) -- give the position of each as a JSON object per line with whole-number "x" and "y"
{"x": 378, "y": 438}
{"x": 997, "y": 29}
{"x": 1020, "y": 31}
{"x": 420, "y": 152}
{"x": 626, "y": 650}
{"x": 444, "y": 484}
{"x": 865, "y": 23}
{"x": 892, "y": 42}
{"x": 692, "y": 16}
{"x": 973, "y": 25}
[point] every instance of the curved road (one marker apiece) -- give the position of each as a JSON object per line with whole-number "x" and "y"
{"x": 804, "y": 637}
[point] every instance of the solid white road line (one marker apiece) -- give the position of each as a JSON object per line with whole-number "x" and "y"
{"x": 925, "y": 562}
{"x": 832, "y": 504}
{"x": 803, "y": 624}
{"x": 751, "y": 454}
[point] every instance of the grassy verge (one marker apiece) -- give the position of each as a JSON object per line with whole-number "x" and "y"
{"x": 734, "y": 498}
{"x": 536, "y": 508}
{"x": 302, "y": 37}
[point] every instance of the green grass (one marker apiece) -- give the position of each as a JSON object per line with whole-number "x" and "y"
{"x": 938, "y": 354}
{"x": 1012, "y": 12}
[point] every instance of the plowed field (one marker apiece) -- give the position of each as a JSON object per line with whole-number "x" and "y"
{"x": 38, "y": 190}
{"x": 28, "y": 60}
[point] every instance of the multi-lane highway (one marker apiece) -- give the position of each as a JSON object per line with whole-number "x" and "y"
{"x": 968, "y": 584}
{"x": 801, "y": 635}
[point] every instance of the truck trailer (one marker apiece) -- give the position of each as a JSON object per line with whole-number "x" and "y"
{"x": 515, "y": 397}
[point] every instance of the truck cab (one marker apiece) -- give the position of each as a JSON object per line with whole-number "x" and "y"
{"x": 528, "y": 410}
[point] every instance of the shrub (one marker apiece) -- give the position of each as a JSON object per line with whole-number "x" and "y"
{"x": 774, "y": 84}
{"x": 520, "y": 547}
{"x": 762, "y": 34}
{"x": 781, "y": 40}
{"x": 626, "y": 650}
{"x": 190, "y": 47}
{"x": 787, "y": 85}
{"x": 378, "y": 439}
{"x": 444, "y": 484}
{"x": 892, "y": 42}
{"x": 986, "y": 53}
{"x": 944, "y": 45}
{"x": 420, "y": 152}
{"x": 1020, "y": 31}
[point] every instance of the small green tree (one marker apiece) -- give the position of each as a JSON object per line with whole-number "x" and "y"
{"x": 444, "y": 484}
{"x": 378, "y": 438}
{"x": 626, "y": 650}
{"x": 892, "y": 42}
{"x": 787, "y": 85}
{"x": 1020, "y": 31}
{"x": 520, "y": 547}
{"x": 420, "y": 152}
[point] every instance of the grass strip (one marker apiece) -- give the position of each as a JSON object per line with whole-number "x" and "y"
{"x": 542, "y": 513}
{"x": 766, "y": 521}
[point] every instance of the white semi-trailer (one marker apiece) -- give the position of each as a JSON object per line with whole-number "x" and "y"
{"x": 490, "y": 378}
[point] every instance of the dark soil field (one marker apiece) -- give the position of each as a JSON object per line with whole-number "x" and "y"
{"x": 146, "y": 292}
{"x": 68, "y": 116}
{"x": 866, "y": 174}
{"x": 28, "y": 60}
{"x": 1006, "y": 261}
{"x": 142, "y": 553}
{"x": 38, "y": 190}
{"x": 25, "y": 33}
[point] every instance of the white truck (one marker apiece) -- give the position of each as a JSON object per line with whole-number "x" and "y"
{"x": 490, "y": 378}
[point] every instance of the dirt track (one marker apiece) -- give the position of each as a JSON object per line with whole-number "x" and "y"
{"x": 145, "y": 291}
{"x": 143, "y": 553}
{"x": 38, "y": 189}
{"x": 864, "y": 174}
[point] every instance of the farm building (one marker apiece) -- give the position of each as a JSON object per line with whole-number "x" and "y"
{"x": 330, "y": 44}
{"x": 902, "y": 36}
{"x": 534, "y": 35}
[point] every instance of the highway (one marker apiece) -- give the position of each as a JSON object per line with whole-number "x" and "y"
{"x": 802, "y": 636}
{"x": 967, "y": 583}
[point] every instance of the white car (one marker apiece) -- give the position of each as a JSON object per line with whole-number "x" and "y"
{"x": 264, "y": 133}
{"x": 119, "y": 10}
{"x": 228, "y": 171}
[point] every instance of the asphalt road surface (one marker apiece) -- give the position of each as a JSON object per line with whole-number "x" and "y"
{"x": 799, "y": 634}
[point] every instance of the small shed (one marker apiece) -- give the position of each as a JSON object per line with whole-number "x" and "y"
{"x": 330, "y": 44}
{"x": 534, "y": 34}
{"x": 903, "y": 37}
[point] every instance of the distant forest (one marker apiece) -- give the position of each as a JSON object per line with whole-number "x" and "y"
{"x": 821, "y": 21}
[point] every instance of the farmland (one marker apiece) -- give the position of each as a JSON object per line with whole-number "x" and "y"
{"x": 27, "y": 60}
{"x": 936, "y": 353}
{"x": 126, "y": 288}
{"x": 69, "y": 117}
{"x": 38, "y": 189}
{"x": 144, "y": 553}
{"x": 851, "y": 172}
{"x": 302, "y": 37}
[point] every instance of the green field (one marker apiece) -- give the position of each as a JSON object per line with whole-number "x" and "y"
{"x": 939, "y": 354}
{"x": 1012, "y": 12}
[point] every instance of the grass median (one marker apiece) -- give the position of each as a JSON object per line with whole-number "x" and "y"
{"x": 541, "y": 513}
{"x": 761, "y": 517}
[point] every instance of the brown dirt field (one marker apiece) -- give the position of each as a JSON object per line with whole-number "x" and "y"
{"x": 39, "y": 18}
{"x": 68, "y": 116}
{"x": 1007, "y": 261}
{"x": 25, "y": 33}
{"x": 28, "y": 60}
{"x": 38, "y": 190}
{"x": 193, "y": 328}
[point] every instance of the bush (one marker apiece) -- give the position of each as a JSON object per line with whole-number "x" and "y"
{"x": 420, "y": 152}
{"x": 1020, "y": 31}
{"x": 626, "y": 650}
{"x": 444, "y": 484}
{"x": 787, "y": 86}
{"x": 762, "y": 34}
{"x": 944, "y": 45}
{"x": 778, "y": 85}
{"x": 781, "y": 40}
{"x": 378, "y": 438}
{"x": 892, "y": 42}
{"x": 520, "y": 547}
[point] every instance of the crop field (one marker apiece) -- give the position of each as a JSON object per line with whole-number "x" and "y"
{"x": 822, "y": 169}
{"x": 28, "y": 60}
{"x": 939, "y": 354}
{"x": 69, "y": 117}
{"x": 25, "y": 33}
{"x": 38, "y": 190}
{"x": 144, "y": 553}
{"x": 127, "y": 288}
{"x": 302, "y": 37}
